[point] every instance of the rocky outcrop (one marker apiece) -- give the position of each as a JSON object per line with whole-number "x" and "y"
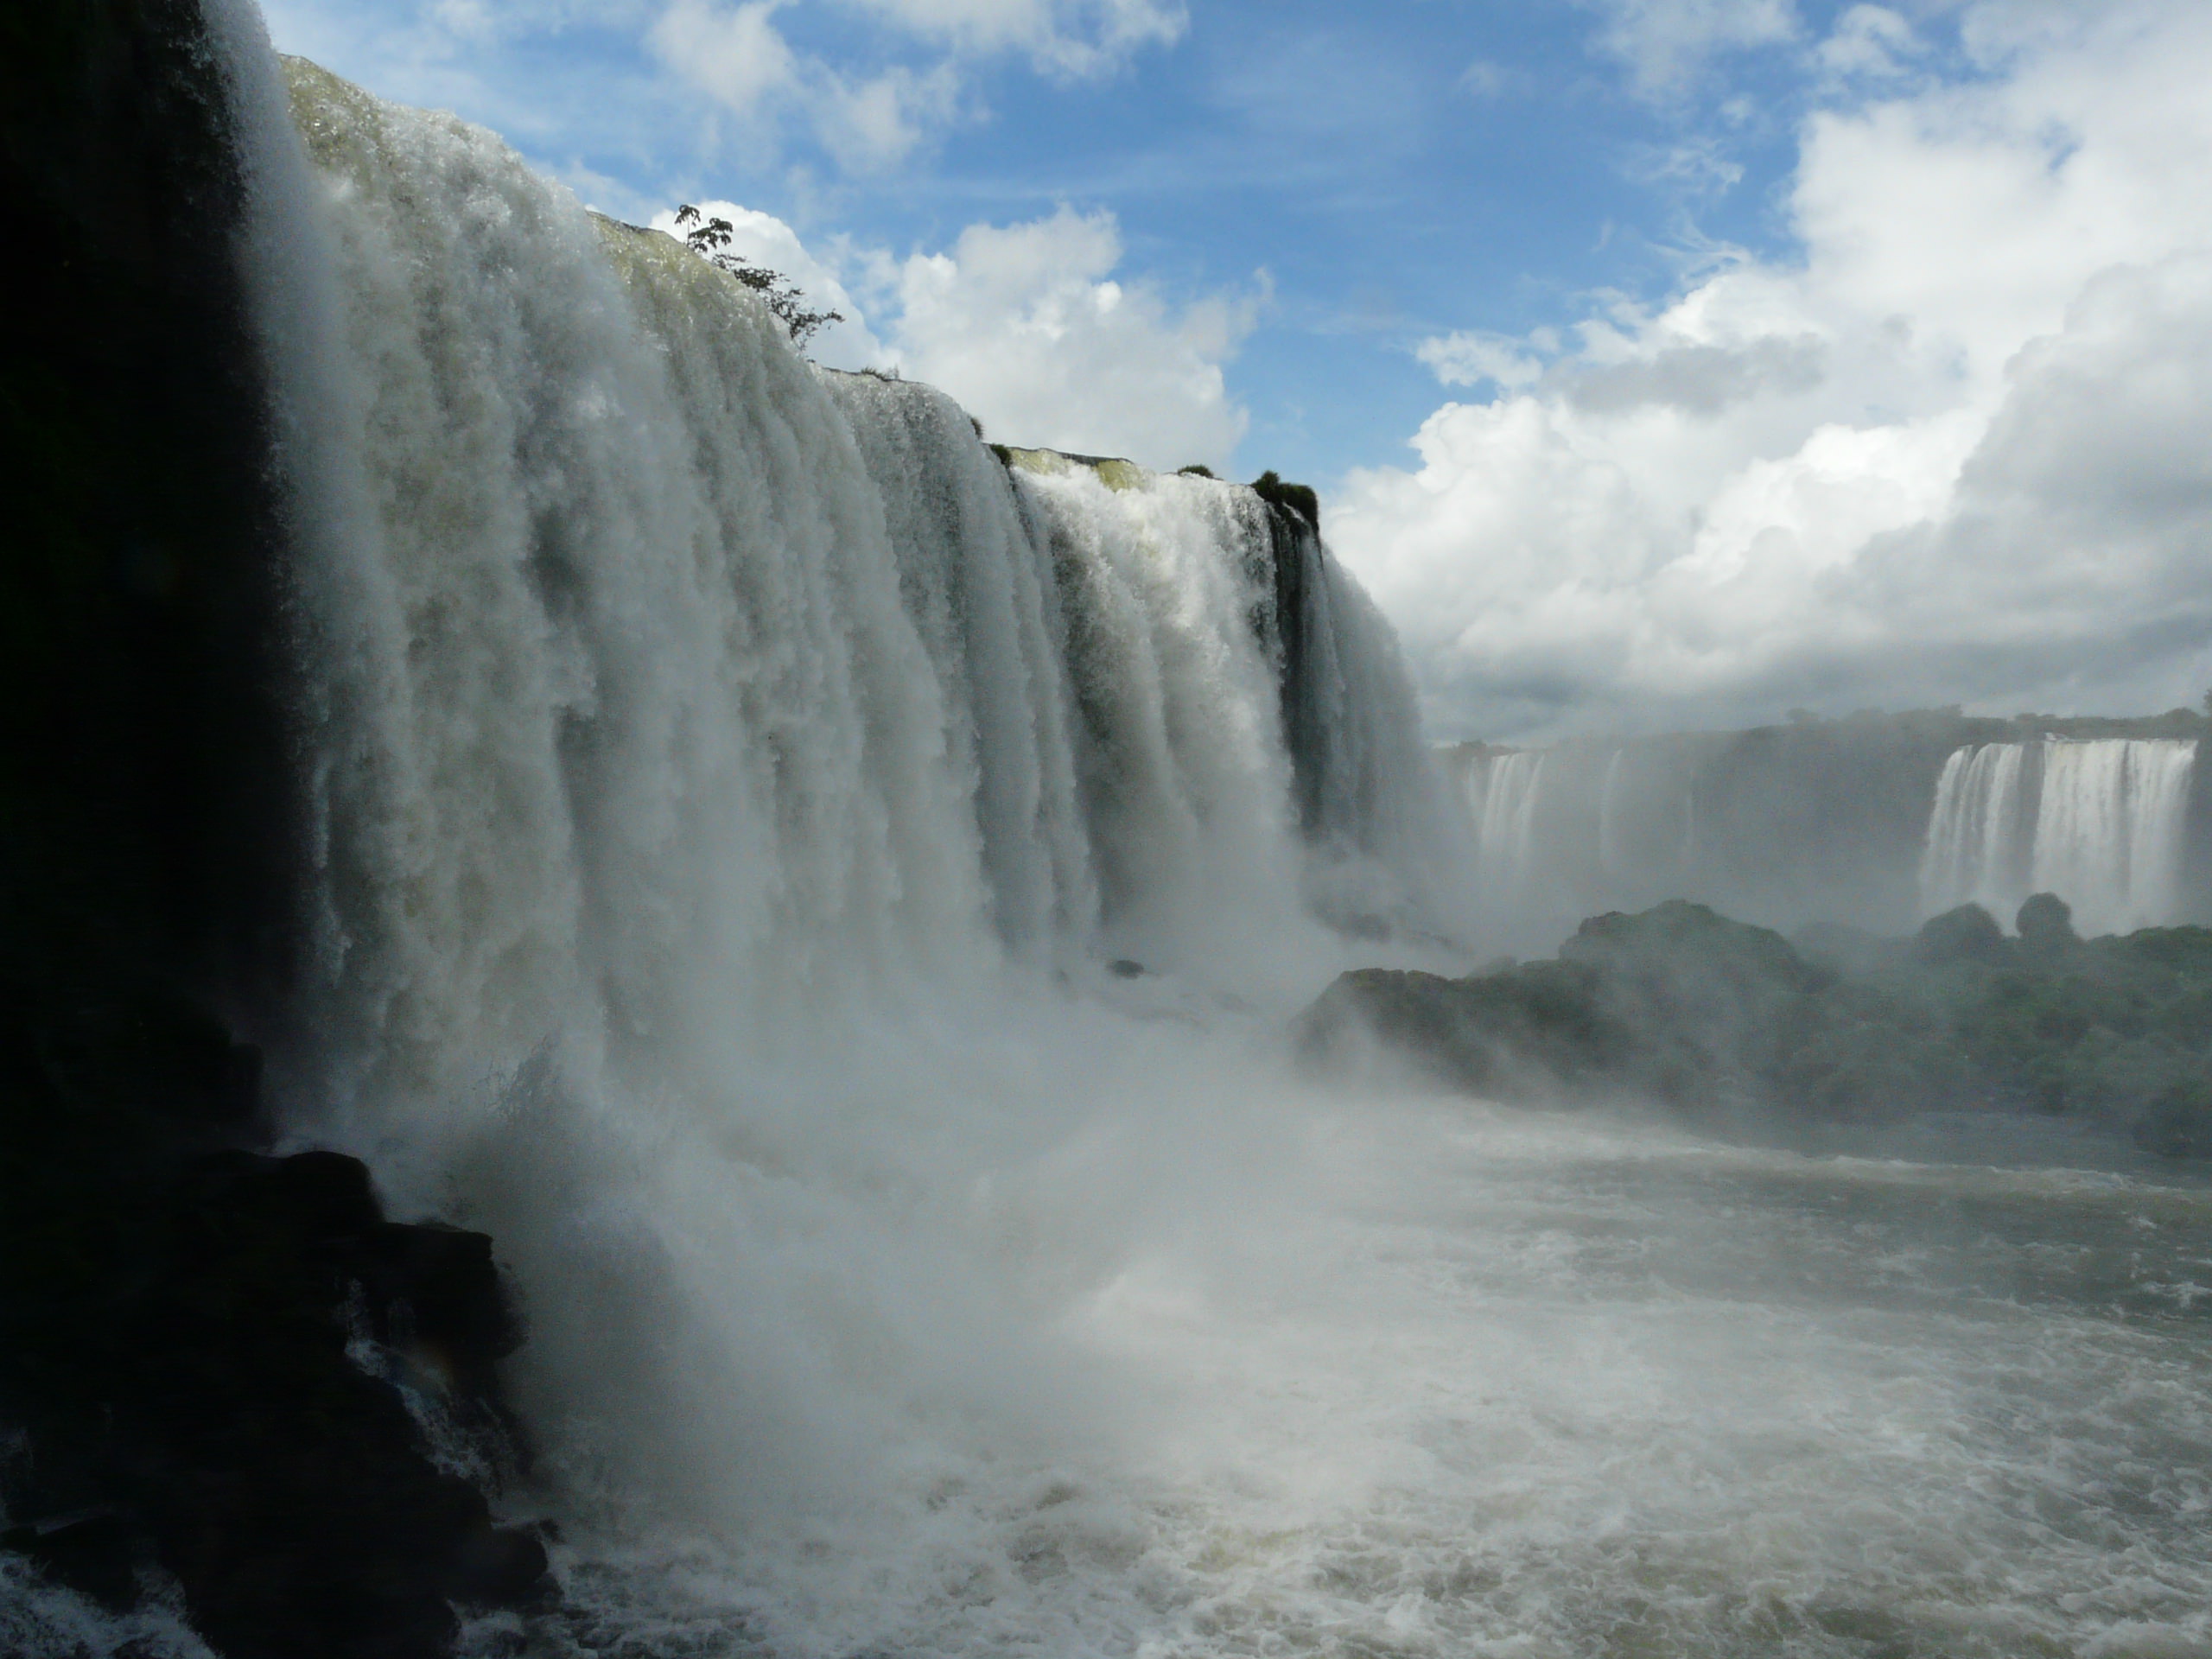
{"x": 1734, "y": 1025}
{"x": 227, "y": 1365}
{"x": 214, "y": 1365}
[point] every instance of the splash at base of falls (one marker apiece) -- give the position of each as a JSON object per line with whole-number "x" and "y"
{"x": 1466, "y": 1383}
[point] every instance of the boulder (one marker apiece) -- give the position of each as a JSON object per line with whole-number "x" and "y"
{"x": 180, "y": 1352}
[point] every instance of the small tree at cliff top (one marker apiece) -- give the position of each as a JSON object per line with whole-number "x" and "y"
{"x": 710, "y": 238}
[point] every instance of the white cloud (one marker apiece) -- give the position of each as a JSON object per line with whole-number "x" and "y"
{"x": 1962, "y": 450}
{"x": 1666, "y": 44}
{"x": 1869, "y": 42}
{"x": 1068, "y": 37}
{"x": 874, "y": 119}
{"x": 1028, "y": 328}
{"x": 766, "y": 240}
{"x": 906, "y": 72}
{"x": 1463, "y": 359}
{"x": 733, "y": 53}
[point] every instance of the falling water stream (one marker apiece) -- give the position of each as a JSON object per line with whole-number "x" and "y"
{"x": 2104, "y": 832}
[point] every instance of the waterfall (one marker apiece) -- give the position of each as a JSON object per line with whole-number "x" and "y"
{"x": 1371, "y": 804}
{"x": 1612, "y": 856}
{"x": 2109, "y": 826}
{"x": 1503, "y": 793}
{"x": 2102, "y": 828}
{"x": 728, "y": 784}
{"x": 1975, "y": 833}
{"x": 979, "y": 586}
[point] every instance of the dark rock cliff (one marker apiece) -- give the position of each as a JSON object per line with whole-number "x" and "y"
{"x": 207, "y": 1355}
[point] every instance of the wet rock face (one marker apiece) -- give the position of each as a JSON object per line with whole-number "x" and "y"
{"x": 193, "y": 1349}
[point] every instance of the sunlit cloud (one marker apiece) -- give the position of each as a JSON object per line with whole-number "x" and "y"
{"x": 1955, "y": 451}
{"x": 1667, "y": 45}
{"x": 1030, "y": 328}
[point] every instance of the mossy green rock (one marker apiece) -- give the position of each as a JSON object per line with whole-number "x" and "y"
{"x": 1730, "y": 1023}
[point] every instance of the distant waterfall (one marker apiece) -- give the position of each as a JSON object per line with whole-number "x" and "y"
{"x": 2108, "y": 830}
{"x": 1502, "y": 791}
{"x": 1977, "y": 834}
{"x": 2099, "y": 822}
{"x": 1612, "y": 857}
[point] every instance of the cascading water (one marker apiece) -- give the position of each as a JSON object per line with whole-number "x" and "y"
{"x": 1612, "y": 854}
{"x": 981, "y": 590}
{"x": 703, "y": 749}
{"x": 1502, "y": 791}
{"x": 730, "y": 780}
{"x": 2099, "y": 822}
{"x": 1976, "y": 833}
{"x": 2109, "y": 828}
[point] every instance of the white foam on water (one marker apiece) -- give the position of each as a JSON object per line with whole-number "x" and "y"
{"x": 1472, "y": 1382}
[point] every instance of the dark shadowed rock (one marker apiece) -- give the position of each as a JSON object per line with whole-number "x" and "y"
{"x": 2179, "y": 1122}
{"x": 1529, "y": 1032}
{"x": 178, "y": 1346}
{"x": 2045, "y": 924}
{"x": 1967, "y": 934}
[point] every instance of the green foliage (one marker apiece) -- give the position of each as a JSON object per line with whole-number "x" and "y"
{"x": 710, "y": 238}
{"x": 1723, "y": 1020}
{"x": 1297, "y": 499}
{"x": 1196, "y": 470}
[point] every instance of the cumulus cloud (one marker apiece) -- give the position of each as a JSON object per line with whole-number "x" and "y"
{"x": 873, "y": 117}
{"x": 733, "y": 51}
{"x": 1029, "y": 330}
{"x": 1957, "y": 451}
{"x": 1027, "y": 326}
{"x": 1667, "y": 44}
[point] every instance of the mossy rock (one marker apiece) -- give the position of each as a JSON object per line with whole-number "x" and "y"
{"x": 1297, "y": 499}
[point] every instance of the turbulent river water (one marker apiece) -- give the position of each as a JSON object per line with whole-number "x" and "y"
{"x": 1425, "y": 1378}
{"x": 1489, "y": 1383}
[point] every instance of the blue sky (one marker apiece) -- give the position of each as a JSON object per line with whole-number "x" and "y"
{"x": 1372, "y": 175}
{"x": 1663, "y": 362}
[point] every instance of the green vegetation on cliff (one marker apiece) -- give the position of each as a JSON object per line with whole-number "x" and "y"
{"x": 1732, "y": 1024}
